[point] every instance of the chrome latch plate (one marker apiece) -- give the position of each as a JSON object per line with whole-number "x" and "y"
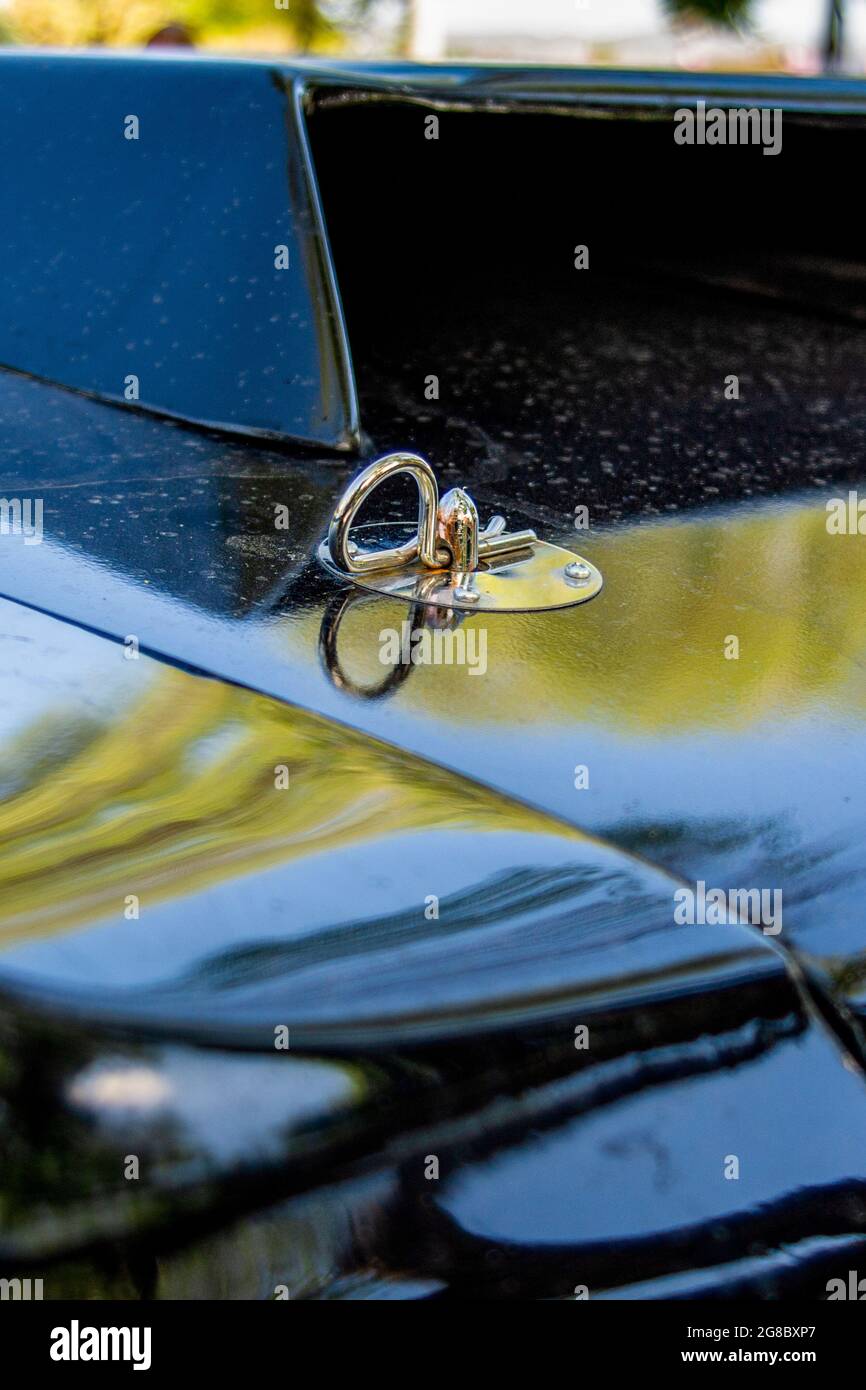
{"x": 506, "y": 572}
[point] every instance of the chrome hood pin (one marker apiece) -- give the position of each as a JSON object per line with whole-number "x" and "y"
{"x": 450, "y": 561}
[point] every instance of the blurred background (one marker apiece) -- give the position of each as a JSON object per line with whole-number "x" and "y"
{"x": 799, "y": 36}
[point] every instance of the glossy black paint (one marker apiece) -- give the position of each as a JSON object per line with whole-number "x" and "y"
{"x": 154, "y": 257}
{"x": 158, "y": 257}
{"x": 455, "y": 1036}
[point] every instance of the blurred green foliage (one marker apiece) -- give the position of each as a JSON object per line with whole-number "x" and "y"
{"x": 298, "y": 25}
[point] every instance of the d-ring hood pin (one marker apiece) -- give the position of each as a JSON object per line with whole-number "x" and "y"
{"x": 450, "y": 562}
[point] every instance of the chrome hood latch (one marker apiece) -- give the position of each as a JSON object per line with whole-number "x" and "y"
{"x": 450, "y": 562}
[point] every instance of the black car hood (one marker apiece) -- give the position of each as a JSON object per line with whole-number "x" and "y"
{"x": 459, "y": 902}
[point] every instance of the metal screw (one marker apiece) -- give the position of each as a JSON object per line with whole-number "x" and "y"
{"x": 579, "y": 571}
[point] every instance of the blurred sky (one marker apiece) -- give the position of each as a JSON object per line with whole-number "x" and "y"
{"x": 783, "y": 34}
{"x": 796, "y": 27}
{"x": 603, "y": 19}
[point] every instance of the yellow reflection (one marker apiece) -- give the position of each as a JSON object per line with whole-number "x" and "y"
{"x": 184, "y": 789}
{"x": 649, "y": 653}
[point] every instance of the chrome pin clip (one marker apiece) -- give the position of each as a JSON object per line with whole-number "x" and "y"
{"x": 450, "y": 562}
